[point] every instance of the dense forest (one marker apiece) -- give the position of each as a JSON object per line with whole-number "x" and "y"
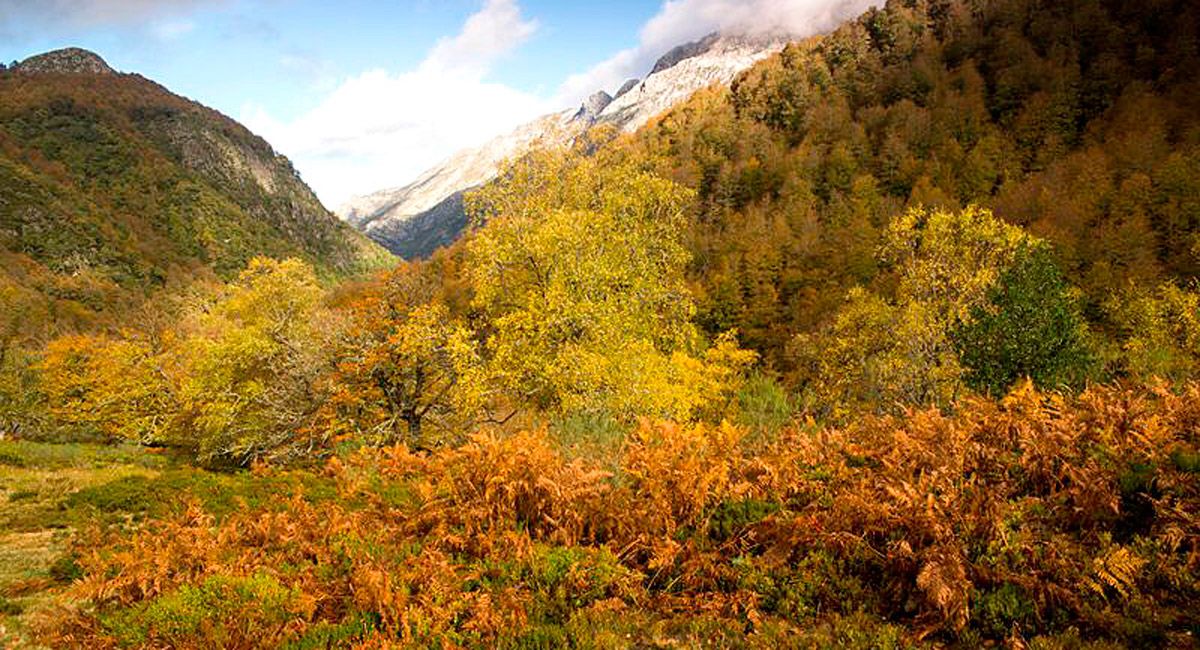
{"x": 891, "y": 343}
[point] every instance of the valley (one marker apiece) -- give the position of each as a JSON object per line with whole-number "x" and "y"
{"x": 879, "y": 335}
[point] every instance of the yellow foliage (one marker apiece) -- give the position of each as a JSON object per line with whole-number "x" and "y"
{"x": 1161, "y": 331}
{"x": 118, "y": 387}
{"x": 581, "y": 273}
{"x": 880, "y": 353}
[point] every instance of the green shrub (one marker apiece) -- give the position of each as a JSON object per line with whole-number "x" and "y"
{"x": 9, "y": 608}
{"x": 1031, "y": 326}
{"x": 66, "y": 569}
{"x": 128, "y": 494}
{"x": 995, "y": 611}
{"x": 219, "y": 611}
{"x": 322, "y": 636}
{"x": 731, "y": 517}
{"x": 763, "y": 404}
{"x": 588, "y": 434}
{"x": 566, "y": 579}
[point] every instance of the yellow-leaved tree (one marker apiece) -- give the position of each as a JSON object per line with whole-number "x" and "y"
{"x": 234, "y": 380}
{"x": 252, "y": 362}
{"x": 1160, "y": 329}
{"x": 114, "y": 387}
{"x": 878, "y": 353}
{"x": 579, "y": 273}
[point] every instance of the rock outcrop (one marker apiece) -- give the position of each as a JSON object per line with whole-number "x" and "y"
{"x": 71, "y": 60}
{"x": 593, "y": 106}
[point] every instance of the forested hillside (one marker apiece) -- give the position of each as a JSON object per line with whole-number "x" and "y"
{"x": 112, "y": 188}
{"x": 1077, "y": 121}
{"x": 894, "y": 342}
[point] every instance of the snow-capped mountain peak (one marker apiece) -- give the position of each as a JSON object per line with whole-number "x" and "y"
{"x": 411, "y": 220}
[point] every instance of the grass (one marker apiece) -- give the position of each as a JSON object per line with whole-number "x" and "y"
{"x": 37, "y": 482}
{"x": 50, "y": 491}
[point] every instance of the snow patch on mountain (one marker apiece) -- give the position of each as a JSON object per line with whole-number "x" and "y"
{"x": 396, "y": 217}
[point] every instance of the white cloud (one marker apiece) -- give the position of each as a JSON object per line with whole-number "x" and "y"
{"x": 487, "y": 35}
{"x": 380, "y": 128}
{"x": 682, "y": 21}
{"x": 173, "y": 29}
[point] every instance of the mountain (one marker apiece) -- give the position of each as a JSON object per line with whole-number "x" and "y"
{"x": 415, "y": 219}
{"x": 111, "y": 186}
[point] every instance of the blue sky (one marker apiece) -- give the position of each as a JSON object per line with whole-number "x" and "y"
{"x": 367, "y": 94}
{"x": 279, "y": 54}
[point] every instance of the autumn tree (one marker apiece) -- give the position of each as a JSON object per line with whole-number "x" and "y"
{"x": 580, "y": 275}
{"x": 1159, "y": 331}
{"x": 976, "y": 301}
{"x": 115, "y": 387}
{"x": 405, "y": 362}
{"x": 252, "y": 361}
{"x": 23, "y": 314}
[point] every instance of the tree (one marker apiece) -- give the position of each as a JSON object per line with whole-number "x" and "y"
{"x": 402, "y": 367}
{"x": 114, "y": 387}
{"x": 252, "y": 361}
{"x": 23, "y": 315}
{"x": 580, "y": 275}
{"x": 1159, "y": 331}
{"x": 1030, "y": 327}
{"x": 878, "y": 353}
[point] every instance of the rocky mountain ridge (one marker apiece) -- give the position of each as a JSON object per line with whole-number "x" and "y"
{"x": 414, "y": 219}
{"x": 70, "y": 60}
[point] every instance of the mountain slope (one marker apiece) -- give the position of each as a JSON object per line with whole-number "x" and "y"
{"x": 1078, "y": 121}
{"x": 414, "y": 219}
{"x": 111, "y": 186}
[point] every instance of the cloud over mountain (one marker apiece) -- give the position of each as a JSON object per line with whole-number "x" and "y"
{"x": 680, "y": 21}
{"x": 380, "y": 125}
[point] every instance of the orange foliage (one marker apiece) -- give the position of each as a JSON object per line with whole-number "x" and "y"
{"x": 927, "y": 520}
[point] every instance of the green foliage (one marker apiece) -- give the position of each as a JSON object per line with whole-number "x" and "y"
{"x": 998, "y": 611}
{"x": 763, "y": 404}
{"x": 213, "y": 608}
{"x": 67, "y": 456}
{"x": 326, "y": 635}
{"x": 585, "y": 434}
{"x": 1160, "y": 330}
{"x": 569, "y": 579}
{"x": 1030, "y": 327}
{"x": 733, "y": 517}
{"x": 66, "y": 569}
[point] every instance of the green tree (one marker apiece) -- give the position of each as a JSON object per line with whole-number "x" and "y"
{"x": 1030, "y": 327}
